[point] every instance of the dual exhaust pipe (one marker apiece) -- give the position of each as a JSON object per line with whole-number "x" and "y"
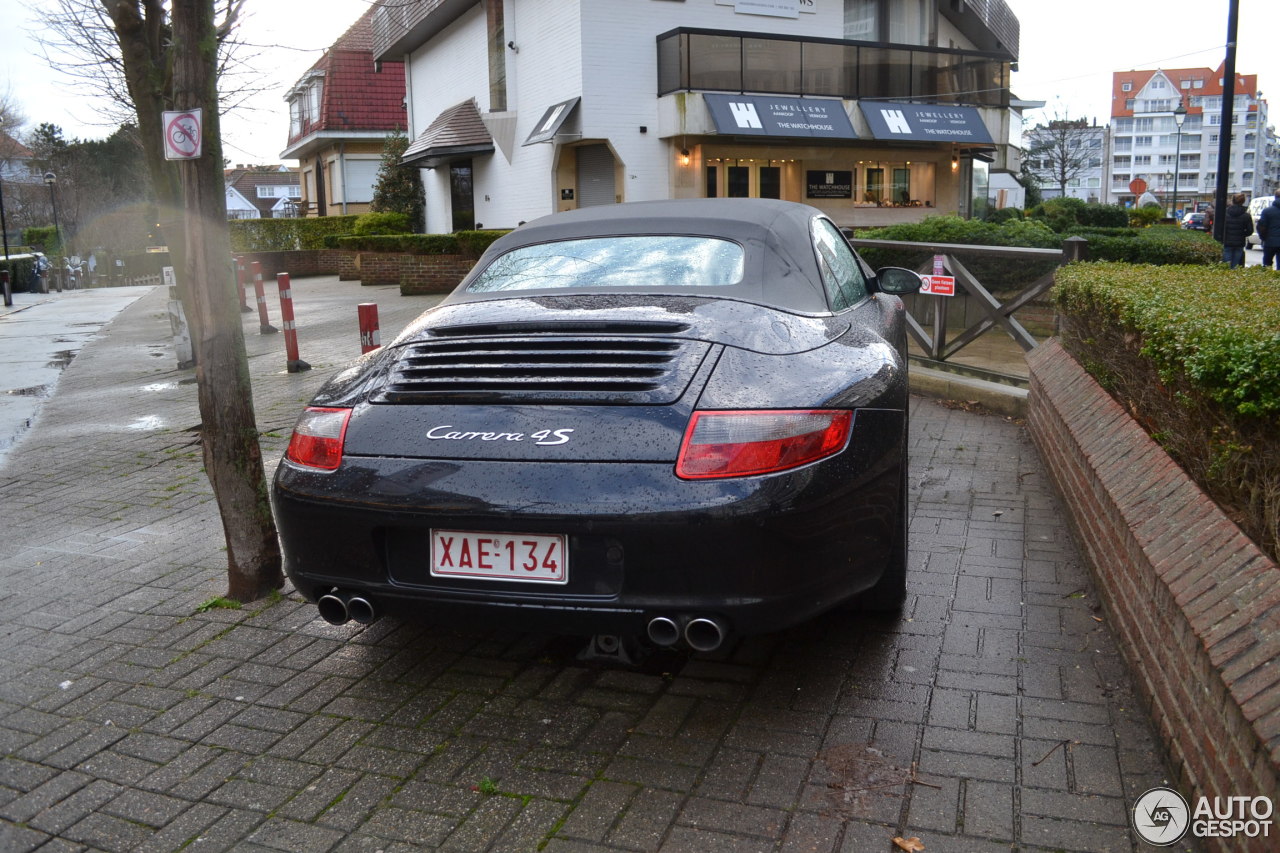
{"x": 703, "y": 634}
{"x": 339, "y": 607}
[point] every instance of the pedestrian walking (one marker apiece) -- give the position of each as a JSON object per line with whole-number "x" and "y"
{"x": 1269, "y": 233}
{"x": 1237, "y": 225}
{"x": 42, "y": 266}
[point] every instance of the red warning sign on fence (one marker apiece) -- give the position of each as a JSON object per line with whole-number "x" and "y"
{"x": 938, "y": 285}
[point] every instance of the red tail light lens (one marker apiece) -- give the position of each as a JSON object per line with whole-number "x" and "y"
{"x": 317, "y": 438}
{"x": 738, "y": 444}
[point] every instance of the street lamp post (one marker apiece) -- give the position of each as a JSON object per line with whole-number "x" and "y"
{"x": 1179, "y": 116}
{"x": 50, "y": 178}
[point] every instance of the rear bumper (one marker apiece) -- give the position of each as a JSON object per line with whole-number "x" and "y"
{"x": 758, "y": 553}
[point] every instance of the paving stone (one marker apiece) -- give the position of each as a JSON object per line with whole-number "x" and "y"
{"x": 267, "y": 729}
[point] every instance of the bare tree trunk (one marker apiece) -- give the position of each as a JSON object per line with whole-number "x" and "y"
{"x": 232, "y": 454}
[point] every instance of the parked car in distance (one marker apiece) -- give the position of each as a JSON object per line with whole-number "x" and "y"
{"x": 1256, "y": 206}
{"x": 674, "y": 421}
{"x": 1196, "y": 221}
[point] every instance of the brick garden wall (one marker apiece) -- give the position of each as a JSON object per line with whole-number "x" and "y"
{"x": 296, "y": 264}
{"x": 1193, "y": 602}
{"x": 415, "y": 274}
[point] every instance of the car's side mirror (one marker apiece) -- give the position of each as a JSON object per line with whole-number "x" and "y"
{"x": 897, "y": 281}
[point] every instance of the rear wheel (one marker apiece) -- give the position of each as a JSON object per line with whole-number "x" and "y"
{"x": 890, "y": 592}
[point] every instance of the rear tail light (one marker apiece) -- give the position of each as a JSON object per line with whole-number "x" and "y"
{"x": 317, "y": 438}
{"x": 738, "y": 444}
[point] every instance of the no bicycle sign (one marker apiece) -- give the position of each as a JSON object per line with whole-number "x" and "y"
{"x": 183, "y": 133}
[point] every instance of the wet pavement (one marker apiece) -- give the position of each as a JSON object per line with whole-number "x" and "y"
{"x": 995, "y": 714}
{"x": 39, "y": 336}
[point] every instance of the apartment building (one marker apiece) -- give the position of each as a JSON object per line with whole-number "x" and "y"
{"x": 877, "y": 111}
{"x": 1182, "y": 168}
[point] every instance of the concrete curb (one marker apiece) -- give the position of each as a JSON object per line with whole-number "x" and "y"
{"x": 1008, "y": 400}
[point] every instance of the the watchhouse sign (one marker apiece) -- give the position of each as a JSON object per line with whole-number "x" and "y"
{"x": 183, "y": 134}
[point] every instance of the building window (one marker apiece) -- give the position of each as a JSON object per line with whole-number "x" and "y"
{"x": 1142, "y": 141}
{"x": 1121, "y": 162}
{"x": 1128, "y": 104}
{"x": 1126, "y": 87}
{"x": 1142, "y": 160}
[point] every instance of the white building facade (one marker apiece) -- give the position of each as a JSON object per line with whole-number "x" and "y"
{"x": 1182, "y": 169}
{"x": 1081, "y": 147}
{"x": 877, "y": 111}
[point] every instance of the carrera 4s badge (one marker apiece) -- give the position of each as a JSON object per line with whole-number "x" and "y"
{"x": 448, "y": 432}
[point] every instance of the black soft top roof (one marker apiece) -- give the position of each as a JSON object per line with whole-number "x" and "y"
{"x": 780, "y": 266}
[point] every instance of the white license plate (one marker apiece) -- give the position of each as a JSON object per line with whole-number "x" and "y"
{"x": 522, "y": 557}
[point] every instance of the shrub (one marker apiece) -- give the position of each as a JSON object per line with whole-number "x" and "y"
{"x": 1159, "y": 244}
{"x": 997, "y": 273}
{"x": 468, "y": 243}
{"x": 388, "y": 222}
{"x": 44, "y": 238}
{"x": 416, "y": 244}
{"x": 285, "y": 235}
{"x": 19, "y": 269}
{"x": 1141, "y": 217}
{"x": 1194, "y": 354}
{"x": 1004, "y": 214}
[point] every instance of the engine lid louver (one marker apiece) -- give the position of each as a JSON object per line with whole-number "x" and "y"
{"x": 546, "y": 368}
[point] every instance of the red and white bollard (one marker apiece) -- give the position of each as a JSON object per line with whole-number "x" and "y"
{"x": 370, "y": 337}
{"x": 260, "y": 293}
{"x": 295, "y": 362}
{"x": 241, "y": 274}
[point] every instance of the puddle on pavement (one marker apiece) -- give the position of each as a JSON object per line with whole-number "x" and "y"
{"x": 62, "y": 358}
{"x": 147, "y": 422}
{"x": 33, "y": 391}
{"x": 160, "y": 386}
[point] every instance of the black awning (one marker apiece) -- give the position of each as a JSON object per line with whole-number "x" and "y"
{"x": 765, "y": 115}
{"x": 549, "y": 125}
{"x": 925, "y": 122}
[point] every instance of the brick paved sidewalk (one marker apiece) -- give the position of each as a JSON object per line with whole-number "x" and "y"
{"x": 995, "y": 715}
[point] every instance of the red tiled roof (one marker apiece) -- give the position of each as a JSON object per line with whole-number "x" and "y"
{"x": 1246, "y": 84}
{"x": 247, "y": 181}
{"x": 12, "y": 149}
{"x": 354, "y": 94}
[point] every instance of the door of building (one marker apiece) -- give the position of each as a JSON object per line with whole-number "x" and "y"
{"x": 461, "y": 196}
{"x": 596, "y": 183}
{"x": 726, "y": 180}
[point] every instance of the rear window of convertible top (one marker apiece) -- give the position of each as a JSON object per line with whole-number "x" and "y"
{"x": 615, "y": 262}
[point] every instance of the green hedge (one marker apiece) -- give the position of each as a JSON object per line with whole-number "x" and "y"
{"x": 1001, "y": 274}
{"x": 19, "y": 270}
{"x": 1219, "y": 328}
{"x": 469, "y": 243}
{"x": 43, "y": 238}
{"x": 1159, "y": 244}
{"x": 382, "y": 222}
{"x": 1194, "y": 353}
{"x": 285, "y": 235}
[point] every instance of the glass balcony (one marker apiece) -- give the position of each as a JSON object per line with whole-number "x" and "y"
{"x": 710, "y": 60}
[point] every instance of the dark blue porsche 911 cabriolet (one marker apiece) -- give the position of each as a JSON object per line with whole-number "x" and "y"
{"x": 675, "y": 420}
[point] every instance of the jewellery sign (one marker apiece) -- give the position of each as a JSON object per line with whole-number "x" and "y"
{"x": 183, "y": 134}
{"x": 829, "y": 184}
{"x": 762, "y": 115}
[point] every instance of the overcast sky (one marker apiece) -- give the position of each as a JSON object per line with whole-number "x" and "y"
{"x": 1068, "y": 52}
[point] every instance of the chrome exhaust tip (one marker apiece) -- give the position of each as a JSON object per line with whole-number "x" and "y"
{"x": 703, "y": 635}
{"x": 361, "y": 609}
{"x": 333, "y": 608}
{"x": 663, "y": 631}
